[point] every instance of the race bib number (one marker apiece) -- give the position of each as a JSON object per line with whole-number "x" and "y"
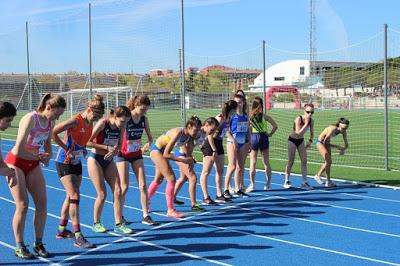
{"x": 40, "y": 139}
{"x": 242, "y": 126}
{"x": 111, "y": 142}
{"x": 134, "y": 145}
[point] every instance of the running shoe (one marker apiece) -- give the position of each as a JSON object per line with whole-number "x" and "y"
{"x": 330, "y": 184}
{"x": 235, "y": 195}
{"x": 267, "y": 187}
{"x": 287, "y": 184}
{"x": 318, "y": 179}
{"x": 306, "y": 186}
{"x": 227, "y": 194}
{"x": 197, "y": 208}
{"x": 148, "y": 221}
{"x": 123, "y": 229}
{"x": 175, "y": 214}
{"x": 242, "y": 194}
{"x": 178, "y": 202}
{"x": 99, "y": 228}
{"x": 40, "y": 250}
{"x": 250, "y": 188}
{"x": 64, "y": 234}
{"x": 23, "y": 253}
{"x": 222, "y": 199}
{"x": 81, "y": 242}
{"x": 209, "y": 201}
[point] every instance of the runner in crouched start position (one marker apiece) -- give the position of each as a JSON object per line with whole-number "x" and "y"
{"x": 160, "y": 154}
{"x": 324, "y": 147}
{"x": 186, "y": 170}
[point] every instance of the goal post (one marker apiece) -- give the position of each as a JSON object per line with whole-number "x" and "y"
{"x": 336, "y": 102}
{"x": 112, "y": 97}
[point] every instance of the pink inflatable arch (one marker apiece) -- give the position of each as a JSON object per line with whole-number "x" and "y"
{"x": 274, "y": 89}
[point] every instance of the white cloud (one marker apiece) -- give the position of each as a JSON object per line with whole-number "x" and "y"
{"x": 330, "y": 24}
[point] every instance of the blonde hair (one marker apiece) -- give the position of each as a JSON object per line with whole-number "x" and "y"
{"x": 97, "y": 104}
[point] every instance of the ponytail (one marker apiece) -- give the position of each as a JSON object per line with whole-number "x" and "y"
{"x": 257, "y": 107}
{"x": 211, "y": 121}
{"x": 194, "y": 120}
{"x": 138, "y": 100}
{"x": 342, "y": 121}
{"x": 120, "y": 111}
{"x": 227, "y": 108}
{"x": 54, "y": 100}
{"x": 97, "y": 104}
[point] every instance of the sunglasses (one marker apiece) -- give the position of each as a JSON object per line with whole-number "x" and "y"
{"x": 310, "y": 112}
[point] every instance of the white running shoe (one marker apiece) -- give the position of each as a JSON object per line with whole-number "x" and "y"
{"x": 267, "y": 187}
{"x": 287, "y": 184}
{"x": 318, "y": 179}
{"x": 306, "y": 186}
{"x": 250, "y": 188}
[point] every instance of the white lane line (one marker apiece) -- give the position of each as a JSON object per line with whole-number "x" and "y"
{"x": 254, "y": 235}
{"x": 137, "y": 240}
{"x": 4, "y": 244}
{"x": 320, "y": 222}
{"x": 174, "y": 167}
{"x": 296, "y": 244}
{"x": 279, "y": 240}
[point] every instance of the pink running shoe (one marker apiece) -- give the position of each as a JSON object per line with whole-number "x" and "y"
{"x": 175, "y": 214}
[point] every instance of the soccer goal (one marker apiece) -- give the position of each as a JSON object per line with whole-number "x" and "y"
{"x": 336, "y": 102}
{"x": 113, "y": 96}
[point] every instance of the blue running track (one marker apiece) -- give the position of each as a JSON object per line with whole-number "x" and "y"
{"x": 347, "y": 225}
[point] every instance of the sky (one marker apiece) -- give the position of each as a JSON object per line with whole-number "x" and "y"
{"x": 139, "y": 35}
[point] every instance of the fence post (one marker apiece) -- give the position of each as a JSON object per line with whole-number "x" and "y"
{"x": 386, "y": 100}
{"x": 107, "y": 106}
{"x": 117, "y": 98}
{"x": 182, "y": 63}
{"x": 71, "y": 107}
{"x": 263, "y": 97}
{"x": 28, "y": 67}
{"x": 90, "y": 51}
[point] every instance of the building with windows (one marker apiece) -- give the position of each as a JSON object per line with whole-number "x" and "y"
{"x": 240, "y": 77}
{"x": 161, "y": 72}
{"x": 298, "y": 72}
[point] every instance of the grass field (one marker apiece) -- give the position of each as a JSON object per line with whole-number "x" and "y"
{"x": 364, "y": 160}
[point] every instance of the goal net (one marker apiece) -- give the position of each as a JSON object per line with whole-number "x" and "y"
{"x": 336, "y": 103}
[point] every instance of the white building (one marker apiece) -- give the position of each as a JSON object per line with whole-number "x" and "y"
{"x": 287, "y": 73}
{"x": 297, "y": 73}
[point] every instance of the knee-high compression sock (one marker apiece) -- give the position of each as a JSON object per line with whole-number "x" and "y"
{"x": 152, "y": 189}
{"x": 169, "y": 194}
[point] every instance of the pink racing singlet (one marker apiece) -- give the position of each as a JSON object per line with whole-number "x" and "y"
{"x": 38, "y": 135}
